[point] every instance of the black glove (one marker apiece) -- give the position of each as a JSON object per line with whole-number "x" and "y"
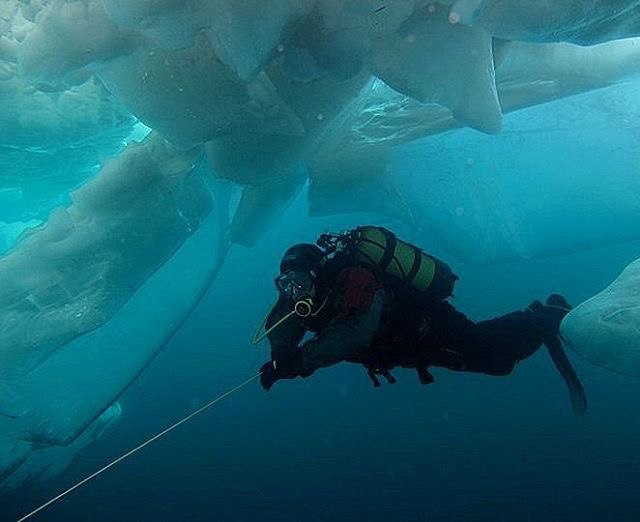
{"x": 269, "y": 375}
{"x": 288, "y": 368}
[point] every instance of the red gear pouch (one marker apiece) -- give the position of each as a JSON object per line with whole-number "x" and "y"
{"x": 358, "y": 287}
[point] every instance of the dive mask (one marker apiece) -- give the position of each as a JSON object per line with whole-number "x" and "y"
{"x": 296, "y": 285}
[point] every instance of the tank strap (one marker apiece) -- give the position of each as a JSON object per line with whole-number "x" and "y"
{"x": 417, "y": 263}
{"x": 389, "y": 249}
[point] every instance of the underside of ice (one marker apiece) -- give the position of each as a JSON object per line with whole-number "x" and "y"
{"x": 583, "y": 22}
{"x": 269, "y": 96}
{"x": 64, "y": 396}
{"x": 71, "y": 275}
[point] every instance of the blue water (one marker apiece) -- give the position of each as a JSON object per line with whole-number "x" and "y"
{"x": 333, "y": 448}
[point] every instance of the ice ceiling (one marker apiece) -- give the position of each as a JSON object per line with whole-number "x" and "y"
{"x": 265, "y": 94}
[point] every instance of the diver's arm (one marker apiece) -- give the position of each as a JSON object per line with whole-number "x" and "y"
{"x": 361, "y": 303}
{"x": 284, "y": 339}
{"x": 344, "y": 338}
{"x": 285, "y": 360}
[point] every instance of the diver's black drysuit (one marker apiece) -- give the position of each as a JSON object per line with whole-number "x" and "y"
{"x": 363, "y": 319}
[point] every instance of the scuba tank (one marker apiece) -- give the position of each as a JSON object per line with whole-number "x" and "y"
{"x": 427, "y": 276}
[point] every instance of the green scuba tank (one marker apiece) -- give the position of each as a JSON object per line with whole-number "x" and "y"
{"x": 425, "y": 274}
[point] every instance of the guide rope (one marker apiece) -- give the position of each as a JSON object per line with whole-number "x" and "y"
{"x": 139, "y": 447}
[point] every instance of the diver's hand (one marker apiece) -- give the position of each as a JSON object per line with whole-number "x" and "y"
{"x": 282, "y": 368}
{"x": 268, "y": 375}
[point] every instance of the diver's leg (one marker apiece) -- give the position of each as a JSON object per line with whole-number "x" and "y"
{"x": 496, "y": 346}
{"x": 493, "y": 347}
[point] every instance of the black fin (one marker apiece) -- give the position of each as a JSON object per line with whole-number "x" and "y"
{"x": 563, "y": 365}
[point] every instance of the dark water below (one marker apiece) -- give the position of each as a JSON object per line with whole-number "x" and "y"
{"x": 333, "y": 448}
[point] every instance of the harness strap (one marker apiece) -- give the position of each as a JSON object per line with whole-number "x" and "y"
{"x": 389, "y": 251}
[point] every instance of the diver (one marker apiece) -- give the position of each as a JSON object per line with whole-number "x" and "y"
{"x": 367, "y": 297}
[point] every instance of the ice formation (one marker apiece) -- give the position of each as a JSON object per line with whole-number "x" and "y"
{"x": 70, "y": 276}
{"x": 584, "y": 22}
{"x": 606, "y": 329}
{"x": 449, "y": 194}
{"x": 55, "y": 409}
{"x": 265, "y": 94}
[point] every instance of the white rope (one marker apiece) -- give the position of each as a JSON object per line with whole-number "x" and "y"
{"x": 138, "y": 448}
